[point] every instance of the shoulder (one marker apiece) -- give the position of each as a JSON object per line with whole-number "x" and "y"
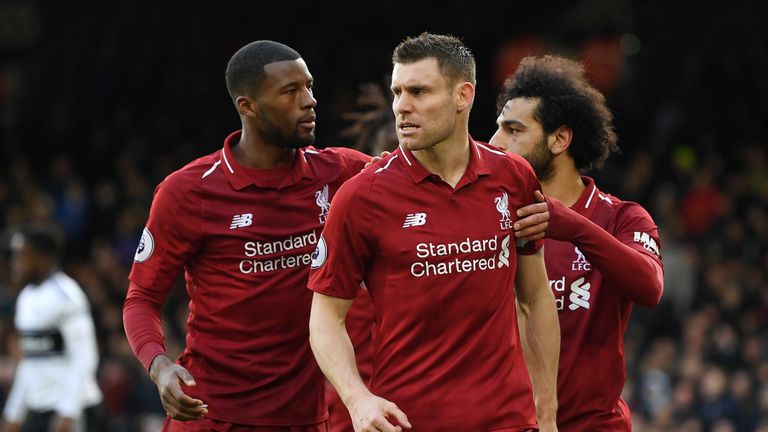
{"x": 67, "y": 291}
{"x": 625, "y": 215}
{"x": 498, "y": 159}
{"x": 183, "y": 186}
{"x": 340, "y": 154}
{"x": 359, "y": 185}
{"x": 351, "y": 160}
{"x": 192, "y": 174}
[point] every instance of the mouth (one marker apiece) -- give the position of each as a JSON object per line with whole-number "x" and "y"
{"x": 408, "y": 128}
{"x": 308, "y": 122}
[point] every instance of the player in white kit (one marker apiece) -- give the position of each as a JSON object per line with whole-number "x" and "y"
{"x": 55, "y": 387}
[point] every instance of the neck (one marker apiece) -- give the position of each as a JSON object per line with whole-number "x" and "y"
{"x": 447, "y": 159}
{"x": 42, "y": 275}
{"x": 565, "y": 184}
{"x": 254, "y": 152}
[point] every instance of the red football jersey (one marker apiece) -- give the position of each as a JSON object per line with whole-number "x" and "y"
{"x": 244, "y": 238}
{"x": 594, "y": 312}
{"x": 439, "y": 263}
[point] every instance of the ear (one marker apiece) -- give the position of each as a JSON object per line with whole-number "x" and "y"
{"x": 560, "y": 140}
{"x": 246, "y": 106}
{"x": 465, "y": 96}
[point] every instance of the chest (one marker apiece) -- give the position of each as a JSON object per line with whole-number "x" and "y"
{"x": 37, "y": 309}
{"x": 575, "y": 282}
{"x": 263, "y": 223}
{"x": 432, "y": 230}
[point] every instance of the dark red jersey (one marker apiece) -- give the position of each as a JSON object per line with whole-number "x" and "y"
{"x": 439, "y": 263}
{"x": 612, "y": 263}
{"x": 244, "y": 238}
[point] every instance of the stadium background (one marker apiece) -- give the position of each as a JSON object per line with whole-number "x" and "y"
{"x": 97, "y": 105}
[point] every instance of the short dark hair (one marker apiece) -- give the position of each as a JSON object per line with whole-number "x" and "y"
{"x": 454, "y": 59}
{"x": 245, "y": 70}
{"x": 566, "y": 98}
{"x": 42, "y": 240}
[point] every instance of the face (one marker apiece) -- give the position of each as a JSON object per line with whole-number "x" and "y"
{"x": 286, "y": 105}
{"x": 424, "y": 105}
{"x": 521, "y": 133}
{"x": 24, "y": 262}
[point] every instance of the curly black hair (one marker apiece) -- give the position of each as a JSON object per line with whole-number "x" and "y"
{"x": 566, "y": 98}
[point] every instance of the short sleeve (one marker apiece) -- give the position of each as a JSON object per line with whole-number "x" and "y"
{"x": 170, "y": 236}
{"x": 338, "y": 263}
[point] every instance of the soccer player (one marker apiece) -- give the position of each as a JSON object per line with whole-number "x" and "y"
{"x": 429, "y": 231}
{"x": 602, "y": 253}
{"x": 55, "y": 384}
{"x": 243, "y": 223}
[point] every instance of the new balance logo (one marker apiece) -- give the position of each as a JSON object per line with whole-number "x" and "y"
{"x": 415, "y": 219}
{"x": 241, "y": 221}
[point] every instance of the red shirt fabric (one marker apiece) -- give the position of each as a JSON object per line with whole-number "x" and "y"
{"x": 594, "y": 309}
{"x": 244, "y": 238}
{"x": 439, "y": 263}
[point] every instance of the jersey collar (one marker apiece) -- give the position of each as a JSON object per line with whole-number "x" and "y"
{"x": 588, "y": 200}
{"x": 477, "y": 165}
{"x": 240, "y": 177}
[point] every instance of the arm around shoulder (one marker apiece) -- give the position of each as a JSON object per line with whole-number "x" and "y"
{"x": 632, "y": 249}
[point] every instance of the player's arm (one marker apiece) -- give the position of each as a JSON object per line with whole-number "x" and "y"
{"x": 637, "y": 274}
{"x": 540, "y": 334}
{"x": 144, "y": 328}
{"x": 170, "y": 238}
{"x": 14, "y": 410}
{"x": 338, "y": 268}
{"x": 79, "y": 336}
{"x": 334, "y": 353}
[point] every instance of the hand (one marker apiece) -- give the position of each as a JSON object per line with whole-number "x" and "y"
{"x": 169, "y": 377}
{"x": 375, "y": 159}
{"x": 62, "y": 424}
{"x": 371, "y": 413}
{"x": 533, "y": 219}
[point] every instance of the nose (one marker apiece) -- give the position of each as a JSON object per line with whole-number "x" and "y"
{"x": 309, "y": 101}
{"x": 497, "y": 141}
{"x": 401, "y": 104}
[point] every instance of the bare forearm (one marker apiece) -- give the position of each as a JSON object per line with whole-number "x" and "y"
{"x": 336, "y": 357}
{"x": 540, "y": 333}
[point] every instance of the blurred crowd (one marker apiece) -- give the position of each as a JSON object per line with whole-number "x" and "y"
{"x": 83, "y": 148}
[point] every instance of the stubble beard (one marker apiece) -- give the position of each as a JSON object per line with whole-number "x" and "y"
{"x": 541, "y": 160}
{"x": 290, "y": 141}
